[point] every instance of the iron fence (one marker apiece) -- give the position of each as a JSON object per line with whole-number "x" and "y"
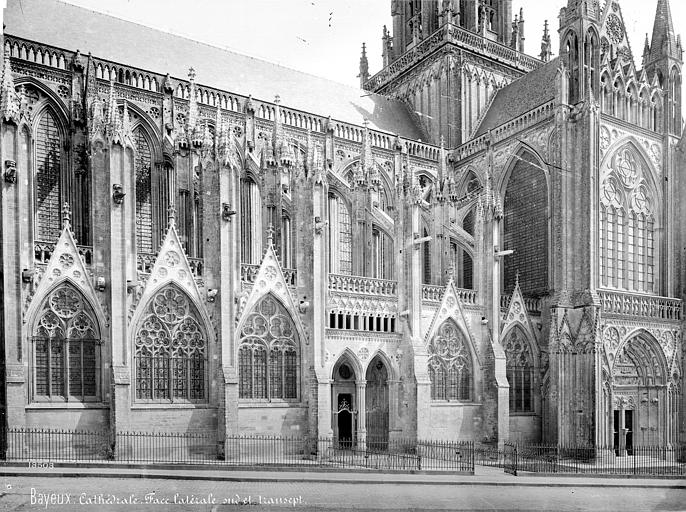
{"x": 205, "y": 447}
{"x": 639, "y": 460}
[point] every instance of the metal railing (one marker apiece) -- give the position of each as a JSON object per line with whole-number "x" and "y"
{"x": 635, "y": 305}
{"x": 638, "y": 460}
{"x": 206, "y": 447}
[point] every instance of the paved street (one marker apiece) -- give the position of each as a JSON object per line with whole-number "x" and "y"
{"x": 101, "y": 494}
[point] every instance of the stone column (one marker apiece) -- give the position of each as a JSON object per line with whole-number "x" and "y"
{"x": 12, "y": 265}
{"x": 361, "y": 387}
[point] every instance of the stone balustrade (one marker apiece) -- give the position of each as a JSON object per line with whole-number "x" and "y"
{"x": 533, "y": 305}
{"x": 42, "y": 251}
{"x": 249, "y": 274}
{"x": 452, "y": 34}
{"x": 638, "y": 305}
{"x": 362, "y": 285}
{"x": 434, "y": 293}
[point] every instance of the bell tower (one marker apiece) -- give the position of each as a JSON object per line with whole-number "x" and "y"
{"x": 447, "y": 58}
{"x": 580, "y": 49}
{"x": 663, "y": 57}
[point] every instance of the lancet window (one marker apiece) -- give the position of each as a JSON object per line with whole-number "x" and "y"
{"x": 382, "y": 254}
{"x": 525, "y": 227}
{"x": 340, "y": 236}
{"x": 269, "y": 354}
{"x": 49, "y": 194}
{"x": 171, "y": 350}
{"x": 450, "y": 364}
{"x": 66, "y": 349}
{"x": 251, "y": 222}
{"x": 144, "y": 216}
{"x": 520, "y": 371}
{"x": 627, "y": 226}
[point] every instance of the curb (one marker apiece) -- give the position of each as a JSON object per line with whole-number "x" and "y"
{"x": 286, "y": 479}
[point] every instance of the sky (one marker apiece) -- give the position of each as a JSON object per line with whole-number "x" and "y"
{"x": 324, "y": 37}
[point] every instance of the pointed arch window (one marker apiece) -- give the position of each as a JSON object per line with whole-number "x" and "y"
{"x": 627, "y": 226}
{"x": 268, "y": 354}
{"x": 525, "y": 227}
{"x": 520, "y": 372}
{"x": 48, "y": 185}
{"x": 66, "y": 349}
{"x": 340, "y": 236}
{"x": 251, "y": 222}
{"x": 146, "y": 241}
{"x": 450, "y": 364}
{"x": 426, "y": 259}
{"x": 171, "y": 350}
{"x": 382, "y": 254}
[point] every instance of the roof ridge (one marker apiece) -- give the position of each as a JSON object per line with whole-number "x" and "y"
{"x": 192, "y": 39}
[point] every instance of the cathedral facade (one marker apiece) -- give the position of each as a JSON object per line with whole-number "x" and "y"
{"x": 477, "y": 244}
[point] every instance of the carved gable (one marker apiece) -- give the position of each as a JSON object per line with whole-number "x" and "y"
{"x": 172, "y": 267}
{"x": 517, "y": 315}
{"x": 66, "y": 265}
{"x": 451, "y": 308}
{"x": 270, "y": 280}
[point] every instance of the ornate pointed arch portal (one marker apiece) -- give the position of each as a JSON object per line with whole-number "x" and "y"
{"x": 640, "y": 401}
{"x": 171, "y": 350}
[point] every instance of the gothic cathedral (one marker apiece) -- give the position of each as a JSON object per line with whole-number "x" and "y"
{"x": 477, "y": 244}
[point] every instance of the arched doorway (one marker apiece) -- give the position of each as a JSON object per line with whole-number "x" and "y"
{"x": 639, "y": 380}
{"x": 344, "y": 403}
{"x": 376, "y": 400}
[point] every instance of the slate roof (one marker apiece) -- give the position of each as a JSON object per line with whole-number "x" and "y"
{"x": 522, "y": 95}
{"x": 70, "y": 27}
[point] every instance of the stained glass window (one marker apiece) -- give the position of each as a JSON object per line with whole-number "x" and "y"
{"x": 450, "y": 364}
{"x": 520, "y": 371}
{"x": 268, "y": 355}
{"x": 48, "y": 178}
{"x": 66, "y": 346}
{"x": 251, "y": 222}
{"x": 340, "y": 236}
{"x": 143, "y": 170}
{"x": 171, "y": 350}
{"x": 627, "y": 226}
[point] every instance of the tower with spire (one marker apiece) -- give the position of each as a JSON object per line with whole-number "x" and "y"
{"x": 663, "y": 59}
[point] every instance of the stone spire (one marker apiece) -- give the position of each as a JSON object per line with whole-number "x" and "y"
{"x": 9, "y": 100}
{"x": 364, "y": 67}
{"x": 664, "y": 42}
{"x": 546, "y": 46}
{"x": 387, "y": 47}
{"x": 282, "y": 149}
{"x": 520, "y": 30}
{"x": 646, "y": 53}
{"x": 192, "y": 129}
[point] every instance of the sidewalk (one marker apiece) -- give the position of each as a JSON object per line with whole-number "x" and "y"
{"x": 484, "y": 476}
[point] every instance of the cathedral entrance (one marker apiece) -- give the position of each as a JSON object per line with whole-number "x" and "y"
{"x": 639, "y": 379}
{"x": 344, "y": 405}
{"x": 376, "y": 398}
{"x": 623, "y": 432}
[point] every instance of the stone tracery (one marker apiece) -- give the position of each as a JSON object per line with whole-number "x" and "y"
{"x": 450, "y": 364}
{"x": 171, "y": 350}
